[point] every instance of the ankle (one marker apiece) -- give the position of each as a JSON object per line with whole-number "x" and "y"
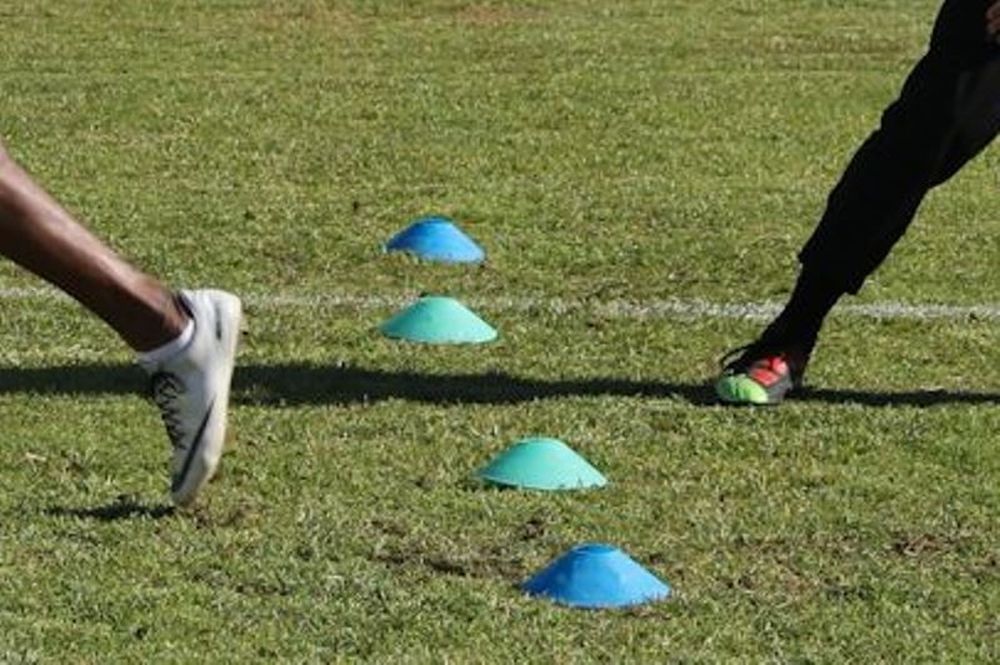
{"x": 797, "y": 358}
{"x": 154, "y": 358}
{"x": 802, "y": 318}
{"x": 158, "y": 318}
{"x": 787, "y": 337}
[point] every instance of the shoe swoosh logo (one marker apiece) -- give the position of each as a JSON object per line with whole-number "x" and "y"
{"x": 195, "y": 445}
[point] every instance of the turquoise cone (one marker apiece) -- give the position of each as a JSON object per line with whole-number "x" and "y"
{"x": 438, "y": 320}
{"x": 543, "y": 464}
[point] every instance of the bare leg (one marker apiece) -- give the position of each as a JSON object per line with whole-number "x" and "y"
{"x": 38, "y": 234}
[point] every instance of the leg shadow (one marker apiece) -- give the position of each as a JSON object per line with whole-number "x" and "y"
{"x": 303, "y": 383}
{"x": 122, "y": 508}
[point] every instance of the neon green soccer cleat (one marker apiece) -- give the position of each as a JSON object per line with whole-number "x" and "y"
{"x": 760, "y": 377}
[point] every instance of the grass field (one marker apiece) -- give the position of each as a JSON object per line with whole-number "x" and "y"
{"x": 638, "y": 151}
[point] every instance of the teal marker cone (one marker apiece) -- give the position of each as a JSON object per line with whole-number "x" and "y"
{"x": 438, "y": 320}
{"x": 542, "y": 464}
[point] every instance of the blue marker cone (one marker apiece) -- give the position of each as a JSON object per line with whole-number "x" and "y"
{"x": 542, "y": 464}
{"x": 436, "y": 239}
{"x": 438, "y": 320}
{"x": 596, "y": 576}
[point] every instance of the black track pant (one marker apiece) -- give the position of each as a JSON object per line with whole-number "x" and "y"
{"x": 947, "y": 112}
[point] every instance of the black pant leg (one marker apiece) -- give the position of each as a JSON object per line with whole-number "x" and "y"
{"x": 946, "y": 113}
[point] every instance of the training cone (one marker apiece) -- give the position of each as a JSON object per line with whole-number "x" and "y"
{"x": 596, "y": 576}
{"x": 438, "y": 320}
{"x": 542, "y": 464}
{"x": 436, "y": 239}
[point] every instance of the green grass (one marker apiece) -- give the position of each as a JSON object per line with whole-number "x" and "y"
{"x": 636, "y": 150}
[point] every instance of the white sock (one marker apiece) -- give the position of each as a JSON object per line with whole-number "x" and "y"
{"x": 151, "y": 360}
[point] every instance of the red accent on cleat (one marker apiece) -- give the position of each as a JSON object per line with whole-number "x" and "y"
{"x": 763, "y": 375}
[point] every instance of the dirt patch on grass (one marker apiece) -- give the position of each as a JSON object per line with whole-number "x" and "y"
{"x": 504, "y": 557}
{"x": 490, "y": 16}
{"x": 926, "y": 544}
{"x": 485, "y": 565}
{"x": 280, "y": 16}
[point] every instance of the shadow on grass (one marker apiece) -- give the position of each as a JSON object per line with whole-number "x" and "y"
{"x": 930, "y": 397}
{"x": 120, "y": 509}
{"x": 318, "y": 384}
{"x": 296, "y": 383}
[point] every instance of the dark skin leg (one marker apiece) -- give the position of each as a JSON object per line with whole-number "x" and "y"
{"x": 41, "y": 236}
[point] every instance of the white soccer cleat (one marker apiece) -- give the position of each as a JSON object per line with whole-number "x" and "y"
{"x": 192, "y": 390}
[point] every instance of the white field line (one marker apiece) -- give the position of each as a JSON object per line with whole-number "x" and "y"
{"x": 617, "y": 309}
